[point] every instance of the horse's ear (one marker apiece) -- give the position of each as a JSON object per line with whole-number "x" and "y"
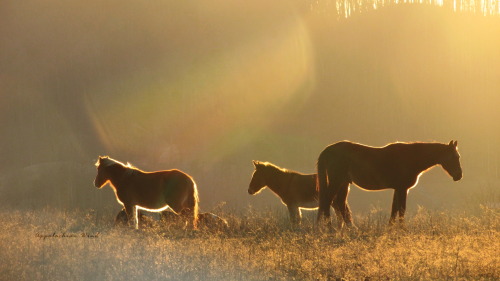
{"x": 455, "y": 143}
{"x": 451, "y": 143}
{"x": 255, "y": 163}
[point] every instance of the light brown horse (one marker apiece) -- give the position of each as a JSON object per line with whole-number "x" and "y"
{"x": 395, "y": 166}
{"x": 151, "y": 191}
{"x": 297, "y": 191}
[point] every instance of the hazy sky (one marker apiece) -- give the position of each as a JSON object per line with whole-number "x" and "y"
{"x": 208, "y": 87}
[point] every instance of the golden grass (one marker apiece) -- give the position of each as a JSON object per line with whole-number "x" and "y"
{"x": 258, "y": 246}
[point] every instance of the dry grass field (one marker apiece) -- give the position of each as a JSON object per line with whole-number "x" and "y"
{"x": 84, "y": 245}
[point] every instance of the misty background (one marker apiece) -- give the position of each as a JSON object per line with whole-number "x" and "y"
{"x": 209, "y": 86}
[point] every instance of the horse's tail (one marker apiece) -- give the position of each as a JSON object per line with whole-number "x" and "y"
{"x": 193, "y": 201}
{"x": 322, "y": 178}
{"x": 322, "y": 185}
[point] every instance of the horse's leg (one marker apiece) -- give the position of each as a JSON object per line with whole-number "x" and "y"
{"x": 140, "y": 218}
{"x": 402, "y": 205}
{"x": 396, "y": 205}
{"x": 348, "y": 217}
{"x": 295, "y": 215}
{"x": 187, "y": 215}
{"x": 338, "y": 213}
{"x": 341, "y": 202}
{"x": 121, "y": 218}
{"x": 170, "y": 218}
{"x": 394, "y": 209}
{"x": 131, "y": 211}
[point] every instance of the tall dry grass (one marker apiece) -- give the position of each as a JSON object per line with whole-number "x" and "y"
{"x": 83, "y": 245}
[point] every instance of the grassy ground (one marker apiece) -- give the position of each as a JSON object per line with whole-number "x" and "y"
{"x": 83, "y": 245}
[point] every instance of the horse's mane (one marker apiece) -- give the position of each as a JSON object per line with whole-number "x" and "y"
{"x": 270, "y": 166}
{"x": 106, "y": 161}
{"x": 417, "y": 144}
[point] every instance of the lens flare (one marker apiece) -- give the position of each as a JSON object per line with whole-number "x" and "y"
{"x": 212, "y": 99}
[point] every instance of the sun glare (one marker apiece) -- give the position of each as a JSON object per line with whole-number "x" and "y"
{"x": 266, "y": 69}
{"x": 347, "y": 8}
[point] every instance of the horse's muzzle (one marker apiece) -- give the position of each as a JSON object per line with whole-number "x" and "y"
{"x": 457, "y": 178}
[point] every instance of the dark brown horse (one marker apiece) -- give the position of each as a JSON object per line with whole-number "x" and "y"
{"x": 297, "y": 191}
{"x": 151, "y": 191}
{"x": 395, "y": 166}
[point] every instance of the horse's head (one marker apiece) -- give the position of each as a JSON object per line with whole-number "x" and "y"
{"x": 258, "y": 181}
{"x": 102, "y": 175}
{"x": 451, "y": 161}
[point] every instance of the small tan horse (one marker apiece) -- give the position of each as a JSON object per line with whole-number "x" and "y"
{"x": 151, "y": 191}
{"x": 395, "y": 166}
{"x": 297, "y": 191}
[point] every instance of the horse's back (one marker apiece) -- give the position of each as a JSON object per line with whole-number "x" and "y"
{"x": 167, "y": 179}
{"x": 171, "y": 179}
{"x": 171, "y": 174}
{"x": 347, "y": 147}
{"x": 177, "y": 182}
{"x": 341, "y": 153}
{"x": 346, "y": 160}
{"x": 355, "y": 152}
